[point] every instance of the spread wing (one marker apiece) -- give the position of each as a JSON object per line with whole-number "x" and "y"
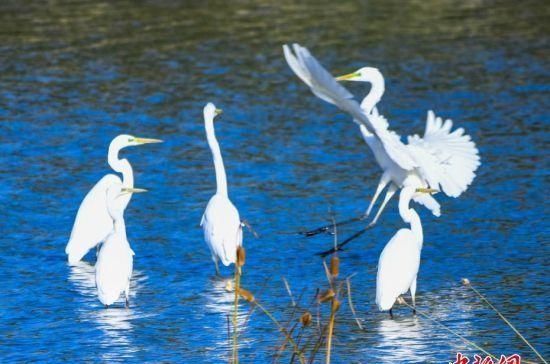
{"x": 324, "y": 86}
{"x": 447, "y": 159}
{"x": 93, "y": 222}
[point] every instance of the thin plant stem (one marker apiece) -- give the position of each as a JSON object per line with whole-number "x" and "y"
{"x": 282, "y": 329}
{"x": 350, "y": 302}
{"x": 287, "y": 286}
{"x": 330, "y": 329}
{"x": 507, "y": 322}
{"x": 471, "y": 343}
{"x": 236, "y": 307}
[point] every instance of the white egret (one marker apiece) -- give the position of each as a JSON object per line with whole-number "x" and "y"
{"x": 400, "y": 260}
{"x": 440, "y": 160}
{"x": 113, "y": 268}
{"x": 93, "y": 222}
{"x": 220, "y": 221}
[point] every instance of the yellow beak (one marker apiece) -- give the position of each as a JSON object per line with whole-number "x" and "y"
{"x": 218, "y": 111}
{"x": 132, "y": 190}
{"x": 349, "y": 76}
{"x": 427, "y": 190}
{"x": 147, "y": 140}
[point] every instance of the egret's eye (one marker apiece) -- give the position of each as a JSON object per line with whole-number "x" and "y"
{"x": 130, "y": 140}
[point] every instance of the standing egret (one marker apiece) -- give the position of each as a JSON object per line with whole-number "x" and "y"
{"x": 113, "y": 268}
{"x": 400, "y": 259}
{"x": 440, "y": 160}
{"x": 93, "y": 222}
{"x": 220, "y": 221}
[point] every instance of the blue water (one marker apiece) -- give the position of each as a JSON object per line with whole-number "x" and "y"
{"x": 74, "y": 75}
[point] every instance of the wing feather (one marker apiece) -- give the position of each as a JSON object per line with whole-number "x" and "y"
{"x": 447, "y": 159}
{"x": 93, "y": 222}
{"x": 325, "y": 86}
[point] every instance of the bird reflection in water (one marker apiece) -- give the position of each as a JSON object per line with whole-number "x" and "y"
{"x": 407, "y": 337}
{"x": 403, "y": 338}
{"x": 220, "y": 297}
{"x": 114, "y": 322}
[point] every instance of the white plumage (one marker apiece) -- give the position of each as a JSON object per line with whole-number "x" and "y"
{"x": 397, "y": 269}
{"x": 113, "y": 269}
{"x": 222, "y": 229}
{"x": 93, "y": 223}
{"x": 221, "y": 222}
{"x": 442, "y": 159}
{"x": 400, "y": 260}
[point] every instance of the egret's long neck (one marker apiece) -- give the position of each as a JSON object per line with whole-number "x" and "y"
{"x": 121, "y": 166}
{"x": 120, "y": 231}
{"x": 409, "y": 215}
{"x": 376, "y": 92}
{"x": 221, "y": 179}
{"x": 120, "y": 226}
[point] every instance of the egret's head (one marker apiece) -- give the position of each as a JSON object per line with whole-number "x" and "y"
{"x": 125, "y": 140}
{"x": 210, "y": 111}
{"x": 365, "y": 74}
{"x": 115, "y": 199}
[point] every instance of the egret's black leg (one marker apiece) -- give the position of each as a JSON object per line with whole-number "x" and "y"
{"x": 328, "y": 228}
{"x": 391, "y": 313}
{"x": 343, "y": 243}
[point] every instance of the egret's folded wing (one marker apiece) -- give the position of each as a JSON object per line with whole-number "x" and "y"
{"x": 447, "y": 159}
{"x": 93, "y": 222}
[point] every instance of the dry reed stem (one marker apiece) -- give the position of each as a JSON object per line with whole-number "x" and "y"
{"x": 326, "y": 295}
{"x": 350, "y": 302}
{"x": 282, "y": 329}
{"x": 287, "y": 286}
{"x": 294, "y": 309}
{"x": 335, "y": 306}
{"x": 235, "y": 309}
{"x": 466, "y": 282}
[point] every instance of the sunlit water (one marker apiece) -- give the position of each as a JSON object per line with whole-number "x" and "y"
{"x": 73, "y": 76}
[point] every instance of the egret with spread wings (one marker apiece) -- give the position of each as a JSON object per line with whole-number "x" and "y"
{"x": 93, "y": 222}
{"x": 443, "y": 159}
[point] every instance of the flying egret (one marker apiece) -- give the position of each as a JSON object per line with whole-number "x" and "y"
{"x": 220, "y": 222}
{"x": 93, "y": 222}
{"x": 400, "y": 259}
{"x": 441, "y": 159}
{"x": 113, "y": 268}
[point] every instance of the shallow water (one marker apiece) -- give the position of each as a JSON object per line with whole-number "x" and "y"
{"x": 74, "y": 75}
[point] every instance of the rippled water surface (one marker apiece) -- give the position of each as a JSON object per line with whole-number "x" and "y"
{"x": 73, "y": 75}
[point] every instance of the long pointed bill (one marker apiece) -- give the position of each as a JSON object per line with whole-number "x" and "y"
{"x": 147, "y": 140}
{"x": 427, "y": 190}
{"x": 126, "y": 190}
{"x": 218, "y": 111}
{"x": 348, "y": 77}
